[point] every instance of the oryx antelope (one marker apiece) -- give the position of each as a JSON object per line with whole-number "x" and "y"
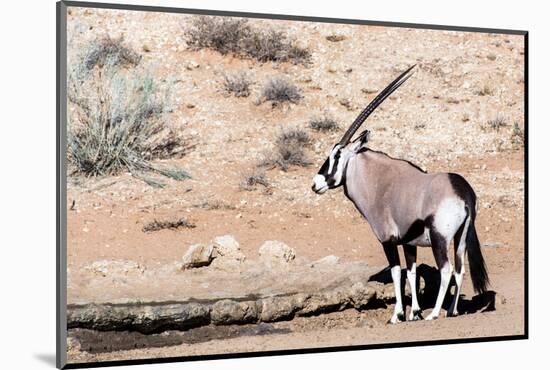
{"x": 407, "y": 206}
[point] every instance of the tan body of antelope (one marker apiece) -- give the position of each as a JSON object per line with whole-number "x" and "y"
{"x": 407, "y": 206}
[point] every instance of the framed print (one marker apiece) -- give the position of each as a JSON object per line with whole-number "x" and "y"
{"x": 236, "y": 184}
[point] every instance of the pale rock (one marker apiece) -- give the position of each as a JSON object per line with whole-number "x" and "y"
{"x": 327, "y": 261}
{"x": 276, "y": 251}
{"x": 198, "y": 255}
{"x": 227, "y": 247}
{"x": 114, "y": 267}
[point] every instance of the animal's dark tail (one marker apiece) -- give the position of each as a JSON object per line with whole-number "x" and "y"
{"x": 478, "y": 270}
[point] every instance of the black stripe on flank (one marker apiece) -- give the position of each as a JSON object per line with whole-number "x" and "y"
{"x": 415, "y": 230}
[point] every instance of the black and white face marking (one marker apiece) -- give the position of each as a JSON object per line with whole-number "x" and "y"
{"x": 332, "y": 171}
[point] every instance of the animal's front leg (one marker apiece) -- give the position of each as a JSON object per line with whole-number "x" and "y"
{"x": 390, "y": 249}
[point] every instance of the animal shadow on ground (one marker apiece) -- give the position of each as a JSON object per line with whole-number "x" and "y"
{"x": 427, "y": 293}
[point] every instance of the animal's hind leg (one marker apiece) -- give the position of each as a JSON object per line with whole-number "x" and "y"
{"x": 439, "y": 248}
{"x": 460, "y": 251}
{"x": 390, "y": 249}
{"x": 410, "y": 259}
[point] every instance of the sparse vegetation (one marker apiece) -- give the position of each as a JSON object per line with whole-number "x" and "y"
{"x": 253, "y": 178}
{"x": 215, "y": 204}
{"x": 518, "y": 134}
{"x": 496, "y": 123}
{"x": 485, "y": 90}
{"x": 323, "y": 123}
{"x": 346, "y": 102}
{"x": 289, "y": 150}
{"x": 492, "y": 57}
{"x": 237, "y": 36}
{"x": 335, "y": 38}
{"x": 237, "y": 84}
{"x": 280, "y": 89}
{"x": 293, "y": 136}
{"x": 156, "y": 225}
{"x": 118, "y": 122}
{"x": 109, "y": 51}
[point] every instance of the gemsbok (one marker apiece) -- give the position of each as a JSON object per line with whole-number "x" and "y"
{"x": 407, "y": 206}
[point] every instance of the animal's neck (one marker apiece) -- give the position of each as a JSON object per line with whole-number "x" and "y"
{"x": 356, "y": 186}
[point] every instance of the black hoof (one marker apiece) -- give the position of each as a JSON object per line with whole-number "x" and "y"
{"x": 417, "y": 315}
{"x": 400, "y": 317}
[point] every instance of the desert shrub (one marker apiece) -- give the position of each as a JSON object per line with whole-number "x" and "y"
{"x": 156, "y": 225}
{"x": 279, "y": 90}
{"x": 119, "y": 121}
{"x": 324, "y": 123}
{"x": 215, "y": 204}
{"x": 222, "y": 34}
{"x": 518, "y": 134}
{"x": 233, "y": 35}
{"x": 237, "y": 84}
{"x": 112, "y": 51}
{"x": 253, "y": 178}
{"x": 496, "y": 123}
{"x": 335, "y": 38}
{"x": 272, "y": 45}
{"x": 485, "y": 90}
{"x": 289, "y": 150}
{"x": 293, "y": 136}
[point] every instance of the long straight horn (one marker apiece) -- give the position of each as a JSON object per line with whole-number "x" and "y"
{"x": 375, "y": 103}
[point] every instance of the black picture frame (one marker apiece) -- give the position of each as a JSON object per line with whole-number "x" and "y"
{"x": 61, "y": 184}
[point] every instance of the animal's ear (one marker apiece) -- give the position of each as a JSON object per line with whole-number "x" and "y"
{"x": 360, "y": 142}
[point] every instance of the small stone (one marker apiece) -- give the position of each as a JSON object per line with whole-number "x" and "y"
{"x": 492, "y": 244}
{"x": 327, "y": 261}
{"x": 226, "y": 246}
{"x": 114, "y": 267}
{"x": 273, "y": 250}
{"x": 192, "y": 65}
{"x": 198, "y": 255}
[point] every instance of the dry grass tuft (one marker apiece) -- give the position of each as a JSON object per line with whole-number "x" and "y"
{"x": 496, "y": 123}
{"x": 119, "y": 121}
{"x": 324, "y": 123}
{"x": 485, "y": 90}
{"x": 335, "y": 38}
{"x": 236, "y": 36}
{"x": 215, "y": 205}
{"x": 289, "y": 150}
{"x": 279, "y": 90}
{"x": 518, "y": 135}
{"x": 156, "y": 225}
{"x": 253, "y": 178}
{"x": 237, "y": 84}
{"x": 109, "y": 51}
